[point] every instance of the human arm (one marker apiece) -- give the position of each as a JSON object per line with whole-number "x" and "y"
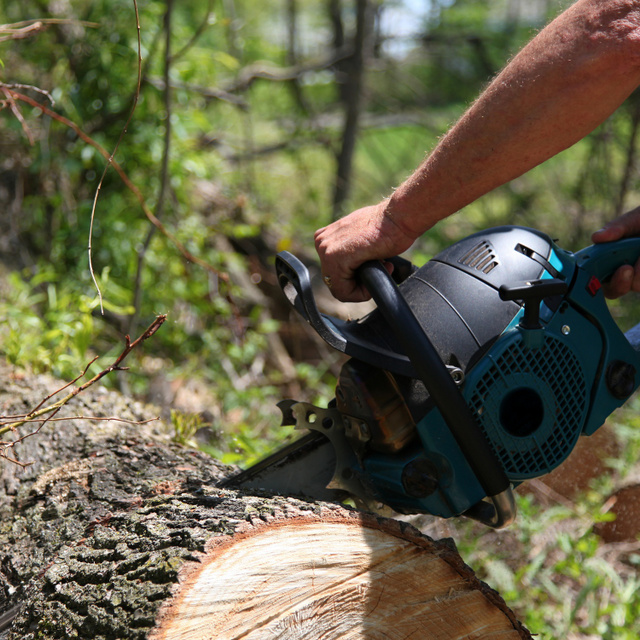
{"x": 560, "y": 87}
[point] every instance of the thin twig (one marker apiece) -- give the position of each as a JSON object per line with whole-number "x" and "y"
{"x": 16, "y": 112}
{"x": 21, "y": 32}
{"x": 66, "y": 386}
{"x": 111, "y": 157}
{"x": 28, "y": 28}
{"x": 30, "y": 87}
{"x": 8, "y": 28}
{"x": 115, "y": 366}
{"x": 90, "y": 418}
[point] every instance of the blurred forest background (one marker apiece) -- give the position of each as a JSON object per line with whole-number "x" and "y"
{"x": 255, "y": 123}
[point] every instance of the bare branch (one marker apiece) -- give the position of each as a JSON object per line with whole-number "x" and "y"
{"x": 113, "y": 153}
{"x": 53, "y": 409}
{"x": 29, "y": 87}
{"x": 18, "y": 114}
{"x": 89, "y": 418}
{"x": 28, "y": 28}
{"x": 21, "y": 32}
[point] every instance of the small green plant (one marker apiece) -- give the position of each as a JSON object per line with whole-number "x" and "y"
{"x": 49, "y": 325}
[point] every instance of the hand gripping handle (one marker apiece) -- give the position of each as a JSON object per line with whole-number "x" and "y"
{"x": 602, "y": 260}
{"x": 445, "y": 394}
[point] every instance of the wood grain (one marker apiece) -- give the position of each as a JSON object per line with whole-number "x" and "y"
{"x": 330, "y": 580}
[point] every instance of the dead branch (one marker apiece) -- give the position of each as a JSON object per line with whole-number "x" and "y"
{"x": 89, "y": 418}
{"x": 18, "y": 114}
{"x": 113, "y": 153}
{"x": 21, "y": 32}
{"x": 50, "y": 410}
{"x": 28, "y": 28}
{"x": 29, "y": 87}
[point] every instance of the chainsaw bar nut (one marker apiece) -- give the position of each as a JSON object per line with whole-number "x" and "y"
{"x": 621, "y": 379}
{"x": 420, "y": 478}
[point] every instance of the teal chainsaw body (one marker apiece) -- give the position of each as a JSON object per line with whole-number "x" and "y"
{"x": 478, "y": 371}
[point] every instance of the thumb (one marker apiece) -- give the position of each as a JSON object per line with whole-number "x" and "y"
{"x": 624, "y": 226}
{"x": 610, "y": 232}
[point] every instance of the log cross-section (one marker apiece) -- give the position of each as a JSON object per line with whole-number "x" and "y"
{"x": 336, "y": 574}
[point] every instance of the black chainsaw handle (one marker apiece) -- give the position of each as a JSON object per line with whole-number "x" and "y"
{"x": 295, "y": 282}
{"x": 442, "y": 390}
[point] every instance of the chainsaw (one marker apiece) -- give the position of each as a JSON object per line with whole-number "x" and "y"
{"x": 476, "y": 372}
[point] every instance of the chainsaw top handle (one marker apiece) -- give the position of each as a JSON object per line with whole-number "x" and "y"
{"x": 444, "y": 393}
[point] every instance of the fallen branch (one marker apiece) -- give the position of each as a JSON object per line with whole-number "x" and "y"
{"x": 50, "y": 410}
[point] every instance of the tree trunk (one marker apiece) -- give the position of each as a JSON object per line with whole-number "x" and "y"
{"x": 350, "y": 73}
{"x": 115, "y": 532}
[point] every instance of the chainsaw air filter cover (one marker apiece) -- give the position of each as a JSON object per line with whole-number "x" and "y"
{"x": 531, "y": 404}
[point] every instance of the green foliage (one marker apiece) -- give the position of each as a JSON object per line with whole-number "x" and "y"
{"x": 49, "y": 324}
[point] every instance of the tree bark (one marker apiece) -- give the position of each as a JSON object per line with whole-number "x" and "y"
{"x": 115, "y": 532}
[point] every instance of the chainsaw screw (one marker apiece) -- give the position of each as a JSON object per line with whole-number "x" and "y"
{"x": 420, "y": 478}
{"x": 566, "y": 330}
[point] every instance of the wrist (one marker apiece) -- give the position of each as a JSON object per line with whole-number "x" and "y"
{"x": 411, "y": 219}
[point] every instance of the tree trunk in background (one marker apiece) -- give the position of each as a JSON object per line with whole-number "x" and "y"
{"x": 350, "y": 74}
{"x": 115, "y": 532}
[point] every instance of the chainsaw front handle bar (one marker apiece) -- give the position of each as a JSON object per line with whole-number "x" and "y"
{"x": 444, "y": 392}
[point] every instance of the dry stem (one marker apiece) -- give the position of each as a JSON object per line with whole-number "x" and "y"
{"x": 111, "y": 157}
{"x": 50, "y": 410}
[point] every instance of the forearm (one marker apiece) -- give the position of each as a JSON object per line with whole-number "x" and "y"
{"x": 561, "y": 86}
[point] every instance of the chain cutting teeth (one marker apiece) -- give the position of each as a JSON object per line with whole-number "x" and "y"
{"x": 329, "y": 422}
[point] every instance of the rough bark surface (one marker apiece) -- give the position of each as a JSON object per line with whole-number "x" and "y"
{"x": 115, "y": 532}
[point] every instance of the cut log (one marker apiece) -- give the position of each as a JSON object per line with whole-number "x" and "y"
{"x": 331, "y": 574}
{"x": 115, "y": 532}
